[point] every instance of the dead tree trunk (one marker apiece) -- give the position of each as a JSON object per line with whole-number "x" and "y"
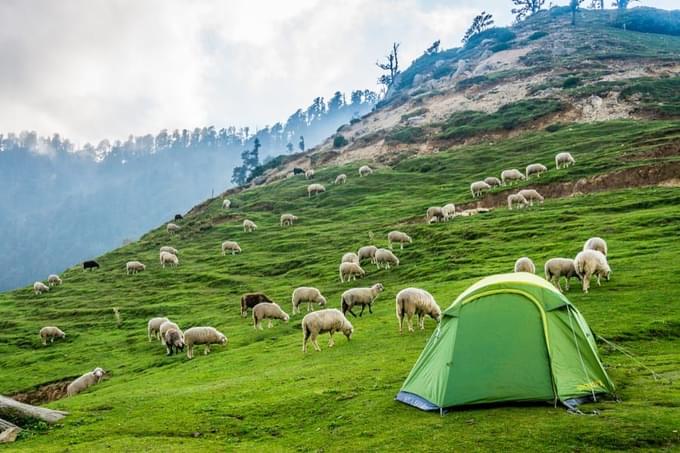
{"x": 9, "y": 406}
{"x": 8, "y": 431}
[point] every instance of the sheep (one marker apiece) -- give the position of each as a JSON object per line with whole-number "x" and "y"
{"x": 349, "y": 271}
{"x": 516, "y": 198}
{"x": 555, "y": 268}
{"x": 167, "y": 248}
{"x": 492, "y": 181}
{"x": 596, "y": 243}
{"x": 50, "y": 332}
{"x": 232, "y": 246}
{"x": 309, "y": 295}
{"x": 116, "y": 314}
{"x": 249, "y": 226}
{"x": 360, "y": 296}
{"x": 267, "y": 311}
{"x": 350, "y": 257}
{"x": 164, "y": 327}
{"x": 434, "y": 214}
{"x": 415, "y": 301}
{"x": 478, "y": 188}
{"x": 340, "y": 179}
{"x": 385, "y": 257}
{"x": 85, "y": 381}
{"x": 287, "y": 219}
{"x": 298, "y": 171}
{"x": 591, "y": 262}
{"x": 169, "y": 258}
{"x": 179, "y": 217}
{"x": 329, "y": 320}
{"x": 173, "y": 341}
{"x": 132, "y": 267}
{"x": 365, "y": 170}
{"x": 249, "y": 300}
{"x": 524, "y": 264}
{"x": 535, "y": 169}
{"x": 531, "y": 195}
{"x": 474, "y": 211}
{"x": 53, "y": 280}
{"x": 90, "y": 264}
{"x": 226, "y": 204}
{"x": 563, "y": 160}
{"x": 398, "y": 237}
{"x": 508, "y": 176}
{"x": 449, "y": 211}
{"x": 315, "y": 189}
{"x": 202, "y": 335}
{"x": 309, "y": 174}
{"x": 153, "y": 327}
{"x": 172, "y": 228}
{"x": 40, "y": 287}
{"x": 367, "y": 251}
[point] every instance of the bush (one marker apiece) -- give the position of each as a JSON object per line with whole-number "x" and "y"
{"x": 660, "y": 96}
{"x": 498, "y": 34}
{"x": 442, "y": 71}
{"x": 500, "y": 46}
{"x": 406, "y": 135}
{"x": 554, "y": 127}
{"x": 354, "y": 120}
{"x": 339, "y": 141}
{"x": 412, "y": 113}
{"x": 571, "y": 82}
{"x": 650, "y": 20}
{"x": 537, "y": 35}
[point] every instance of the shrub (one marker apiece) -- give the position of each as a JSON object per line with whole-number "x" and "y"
{"x": 554, "y": 127}
{"x": 339, "y": 141}
{"x": 661, "y": 96}
{"x": 571, "y": 82}
{"x": 500, "y": 46}
{"x": 354, "y": 120}
{"x": 650, "y": 20}
{"x": 537, "y": 35}
{"x": 498, "y": 34}
{"x": 406, "y": 135}
{"x": 442, "y": 71}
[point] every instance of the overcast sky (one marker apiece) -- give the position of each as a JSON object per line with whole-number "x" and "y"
{"x": 93, "y": 69}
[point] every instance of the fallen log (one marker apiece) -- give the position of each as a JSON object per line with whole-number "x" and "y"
{"x": 9, "y": 406}
{"x": 8, "y": 431}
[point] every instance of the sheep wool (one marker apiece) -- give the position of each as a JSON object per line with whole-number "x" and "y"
{"x": 350, "y": 257}
{"x": 172, "y": 228}
{"x": 169, "y": 258}
{"x": 249, "y": 226}
{"x": 315, "y": 189}
{"x": 50, "y": 333}
{"x": 535, "y": 169}
{"x": 531, "y": 195}
{"x": 226, "y": 204}
{"x": 367, "y": 251}
{"x": 478, "y": 188}
{"x": 232, "y": 246}
{"x": 416, "y": 301}
{"x": 509, "y": 176}
{"x": 589, "y": 263}
{"x": 492, "y": 181}
{"x": 341, "y": 178}
{"x": 288, "y": 219}
{"x": 524, "y": 264}
{"x": 596, "y": 243}
{"x": 307, "y": 294}
{"x": 202, "y": 335}
{"x": 268, "y": 311}
{"x": 350, "y": 271}
{"x": 385, "y": 258}
{"x": 434, "y": 214}
{"x": 324, "y": 321}
{"x": 555, "y": 268}
{"x": 153, "y": 327}
{"x": 360, "y": 296}
{"x": 40, "y": 287}
{"x": 398, "y": 237}
{"x": 132, "y": 267}
{"x": 516, "y": 199}
{"x": 563, "y": 160}
{"x": 365, "y": 170}
{"x": 85, "y": 381}
{"x": 53, "y": 280}
{"x": 167, "y": 248}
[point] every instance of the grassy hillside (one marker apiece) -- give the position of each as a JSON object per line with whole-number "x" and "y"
{"x": 262, "y": 391}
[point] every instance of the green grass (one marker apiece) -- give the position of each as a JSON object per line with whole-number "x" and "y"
{"x": 260, "y": 392}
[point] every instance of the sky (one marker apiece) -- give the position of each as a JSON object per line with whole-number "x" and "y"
{"x": 94, "y": 69}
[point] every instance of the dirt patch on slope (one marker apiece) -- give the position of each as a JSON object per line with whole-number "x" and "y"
{"x": 43, "y": 394}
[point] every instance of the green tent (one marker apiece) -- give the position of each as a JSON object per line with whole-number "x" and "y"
{"x": 509, "y": 337}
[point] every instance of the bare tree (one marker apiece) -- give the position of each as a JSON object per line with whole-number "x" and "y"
{"x": 391, "y": 66}
{"x": 526, "y": 8}
{"x": 574, "y": 6}
{"x": 481, "y": 22}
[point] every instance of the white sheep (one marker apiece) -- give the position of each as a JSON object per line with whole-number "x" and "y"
{"x": 167, "y": 325}
{"x": 531, "y": 195}
{"x": 350, "y": 257}
{"x": 563, "y": 160}
{"x": 474, "y": 211}
{"x": 40, "y": 287}
{"x": 309, "y": 174}
{"x": 589, "y": 263}
{"x": 287, "y": 219}
{"x": 231, "y": 246}
{"x": 341, "y": 179}
{"x": 315, "y": 189}
{"x": 416, "y": 301}
{"x": 384, "y": 257}
{"x": 51, "y": 332}
{"x": 167, "y": 248}
{"x": 478, "y": 188}
{"x": 556, "y": 268}
{"x": 596, "y": 243}
{"x": 226, "y": 204}
{"x": 398, "y": 237}
{"x": 508, "y": 176}
{"x": 249, "y": 226}
{"x": 85, "y": 381}
{"x": 434, "y": 214}
{"x": 172, "y": 228}
{"x": 492, "y": 181}
{"x": 268, "y": 311}
{"x": 449, "y": 210}
{"x": 53, "y": 280}
{"x": 367, "y": 251}
{"x": 360, "y": 296}
{"x": 307, "y": 294}
{"x": 132, "y": 267}
{"x": 322, "y": 321}
{"x": 516, "y": 198}
{"x": 350, "y": 271}
{"x": 365, "y": 170}
{"x": 153, "y": 327}
{"x": 202, "y": 335}
{"x": 535, "y": 169}
{"x": 524, "y": 264}
{"x": 169, "y": 258}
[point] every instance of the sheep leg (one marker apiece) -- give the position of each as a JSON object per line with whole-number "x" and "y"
{"x": 352, "y": 313}
{"x": 409, "y": 321}
{"x": 401, "y": 246}
{"x": 315, "y": 343}
{"x": 269, "y": 324}
{"x": 362, "y": 311}
{"x": 206, "y": 351}
{"x": 389, "y": 244}
{"x": 331, "y": 342}
{"x": 369, "y": 308}
{"x": 190, "y": 352}
{"x": 309, "y": 307}
{"x": 566, "y": 285}
{"x": 400, "y": 318}
{"x": 598, "y": 280}
{"x": 421, "y": 321}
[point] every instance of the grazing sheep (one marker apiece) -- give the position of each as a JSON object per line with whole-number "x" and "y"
{"x": 173, "y": 341}
{"x": 434, "y": 214}
{"x": 516, "y": 198}
{"x": 596, "y": 243}
{"x": 525, "y": 264}
{"x": 531, "y": 195}
{"x": 341, "y": 179}
{"x": 563, "y": 160}
{"x": 40, "y": 287}
{"x": 315, "y": 189}
{"x": 249, "y": 300}
{"x": 249, "y": 226}
{"x": 287, "y": 219}
{"x": 399, "y": 238}
{"x": 169, "y": 258}
{"x": 360, "y": 296}
{"x": 164, "y": 327}
{"x": 172, "y": 228}
{"x": 350, "y": 257}
{"x": 478, "y": 188}
{"x": 415, "y": 301}
{"x": 202, "y": 335}
{"x": 232, "y": 246}
{"x": 53, "y": 280}
{"x": 350, "y": 271}
{"x": 50, "y": 333}
{"x": 307, "y": 294}
{"x": 179, "y": 217}
{"x": 535, "y": 169}
{"x": 508, "y": 176}
{"x": 90, "y": 264}
{"x": 555, "y": 268}
{"x": 492, "y": 181}
{"x": 367, "y": 251}
{"x": 309, "y": 174}
{"x": 167, "y": 248}
{"x": 365, "y": 170}
{"x": 449, "y": 211}
{"x": 85, "y": 381}
{"x": 589, "y": 263}
{"x": 267, "y": 311}
{"x": 226, "y": 204}
{"x": 474, "y": 211}
{"x": 385, "y": 257}
{"x": 154, "y": 326}
{"x": 329, "y": 320}
{"x": 132, "y": 267}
